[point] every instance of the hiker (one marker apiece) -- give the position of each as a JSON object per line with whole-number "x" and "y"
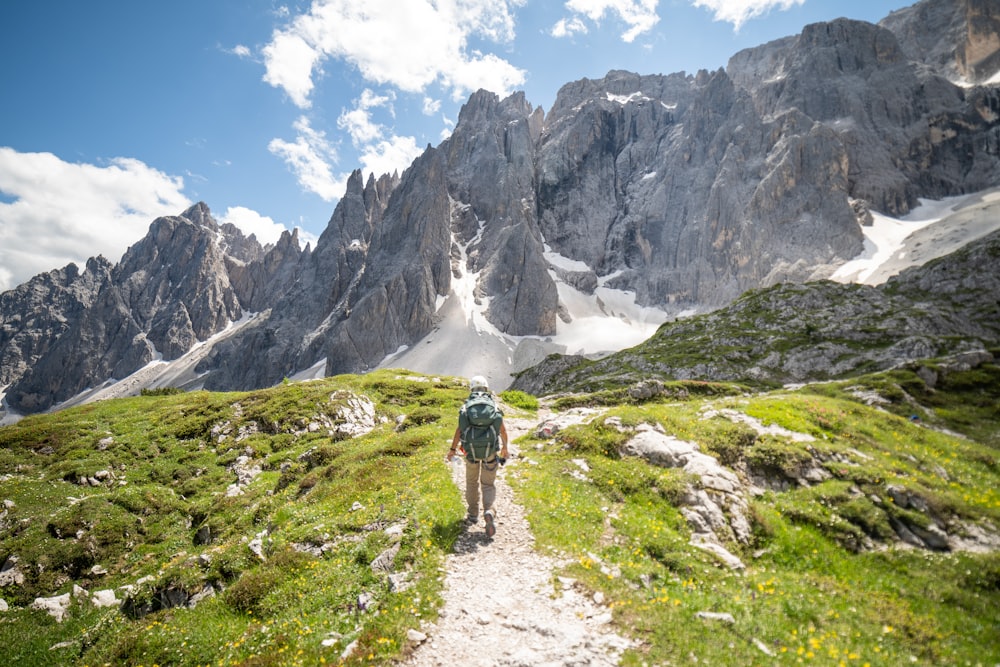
{"x": 480, "y": 430}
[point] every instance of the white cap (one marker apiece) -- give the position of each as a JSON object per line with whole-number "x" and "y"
{"x": 478, "y": 383}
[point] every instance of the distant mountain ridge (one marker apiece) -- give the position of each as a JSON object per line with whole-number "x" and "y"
{"x": 684, "y": 190}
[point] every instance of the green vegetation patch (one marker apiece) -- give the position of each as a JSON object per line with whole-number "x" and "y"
{"x": 267, "y": 505}
{"x": 827, "y": 579}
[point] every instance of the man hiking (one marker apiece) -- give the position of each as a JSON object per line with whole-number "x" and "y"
{"x": 483, "y": 437}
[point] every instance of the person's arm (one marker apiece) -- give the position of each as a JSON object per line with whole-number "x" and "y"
{"x": 454, "y": 444}
{"x": 503, "y": 441}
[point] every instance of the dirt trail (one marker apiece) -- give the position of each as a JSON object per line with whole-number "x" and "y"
{"x": 502, "y": 604}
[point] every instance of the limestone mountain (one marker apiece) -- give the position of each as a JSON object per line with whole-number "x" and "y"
{"x": 681, "y": 191}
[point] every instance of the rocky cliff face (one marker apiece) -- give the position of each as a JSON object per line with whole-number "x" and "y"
{"x": 35, "y": 315}
{"x": 170, "y": 291}
{"x": 959, "y": 38}
{"x": 685, "y": 190}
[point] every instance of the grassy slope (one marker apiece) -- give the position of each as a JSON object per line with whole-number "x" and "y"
{"x": 273, "y": 613}
{"x": 810, "y": 593}
{"x": 807, "y": 593}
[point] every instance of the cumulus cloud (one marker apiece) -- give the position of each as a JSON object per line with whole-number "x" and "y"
{"x": 251, "y": 222}
{"x": 408, "y": 45}
{"x": 639, "y": 15}
{"x": 389, "y": 155}
{"x": 241, "y": 51}
{"x": 290, "y": 61}
{"x": 54, "y": 212}
{"x": 431, "y": 106}
{"x": 378, "y": 154}
{"x": 569, "y": 27}
{"x": 312, "y": 157}
{"x": 739, "y": 12}
{"x": 309, "y": 157}
{"x": 358, "y": 121}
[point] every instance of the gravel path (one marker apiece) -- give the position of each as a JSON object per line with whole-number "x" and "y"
{"x": 502, "y": 603}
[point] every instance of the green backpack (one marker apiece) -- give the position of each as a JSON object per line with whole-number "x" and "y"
{"x": 479, "y": 423}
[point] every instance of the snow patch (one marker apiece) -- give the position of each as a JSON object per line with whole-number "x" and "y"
{"x": 606, "y": 321}
{"x": 399, "y": 351}
{"x": 885, "y": 237}
{"x": 315, "y": 372}
{"x": 625, "y": 99}
{"x": 841, "y": 124}
{"x": 962, "y": 82}
{"x": 464, "y": 286}
{"x": 563, "y": 262}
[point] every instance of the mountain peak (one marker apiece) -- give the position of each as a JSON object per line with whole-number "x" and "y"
{"x": 199, "y": 214}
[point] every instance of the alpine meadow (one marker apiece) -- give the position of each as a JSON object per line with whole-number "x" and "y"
{"x": 742, "y": 328}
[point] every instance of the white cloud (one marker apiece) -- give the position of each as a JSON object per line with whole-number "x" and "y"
{"x": 290, "y": 61}
{"x": 449, "y": 127}
{"x": 251, "y": 222}
{"x": 241, "y": 51}
{"x": 739, "y": 12}
{"x": 54, "y": 212}
{"x": 431, "y": 106}
{"x": 309, "y": 158}
{"x": 312, "y": 157}
{"x": 378, "y": 155}
{"x": 358, "y": 122}
{"x": 409, "y": 45}
{"x": 569, "y": 27}
{"x": 639, "y": 15}
{"x": 481, "y": 71}
{"x": 385, "y": 157}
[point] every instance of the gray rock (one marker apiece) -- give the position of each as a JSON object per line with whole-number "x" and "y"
{"x": 10, "y": 572}
{"x": 956, "y": 38}
{"x": 722, "y": 617}
{"x": 719, "y": 508}
{"x": 56, "y": 606}
{"x": 105, "y": 598}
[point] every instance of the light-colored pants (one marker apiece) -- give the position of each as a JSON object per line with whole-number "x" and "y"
{"x": 482, "y": 474}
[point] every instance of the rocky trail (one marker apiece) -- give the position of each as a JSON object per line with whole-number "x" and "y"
{"x": 502, "y": 603}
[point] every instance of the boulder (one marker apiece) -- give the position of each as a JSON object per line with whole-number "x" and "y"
{"x": 56, "y": 606}
{"x": 718, "y": 510}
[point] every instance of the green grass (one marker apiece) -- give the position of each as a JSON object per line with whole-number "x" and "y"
{"x": 825, "y": 583}
{"x": 820, "y": 586}
{"x": 168, "y": 456}
{"x": 519, "y": 400}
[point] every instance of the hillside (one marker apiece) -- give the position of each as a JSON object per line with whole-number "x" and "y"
{"x": 815, "y": 331}
{"x": 311, "y": 523}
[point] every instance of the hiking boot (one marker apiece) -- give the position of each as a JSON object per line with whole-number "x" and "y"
{"x": 471, "y": 520}
{"x": 491, "y": 528}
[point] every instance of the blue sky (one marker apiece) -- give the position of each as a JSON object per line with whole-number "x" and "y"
{"x": 117, "y": 111}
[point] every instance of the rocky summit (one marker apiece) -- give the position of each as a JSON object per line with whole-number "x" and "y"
{"x": 681, "y": 190}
